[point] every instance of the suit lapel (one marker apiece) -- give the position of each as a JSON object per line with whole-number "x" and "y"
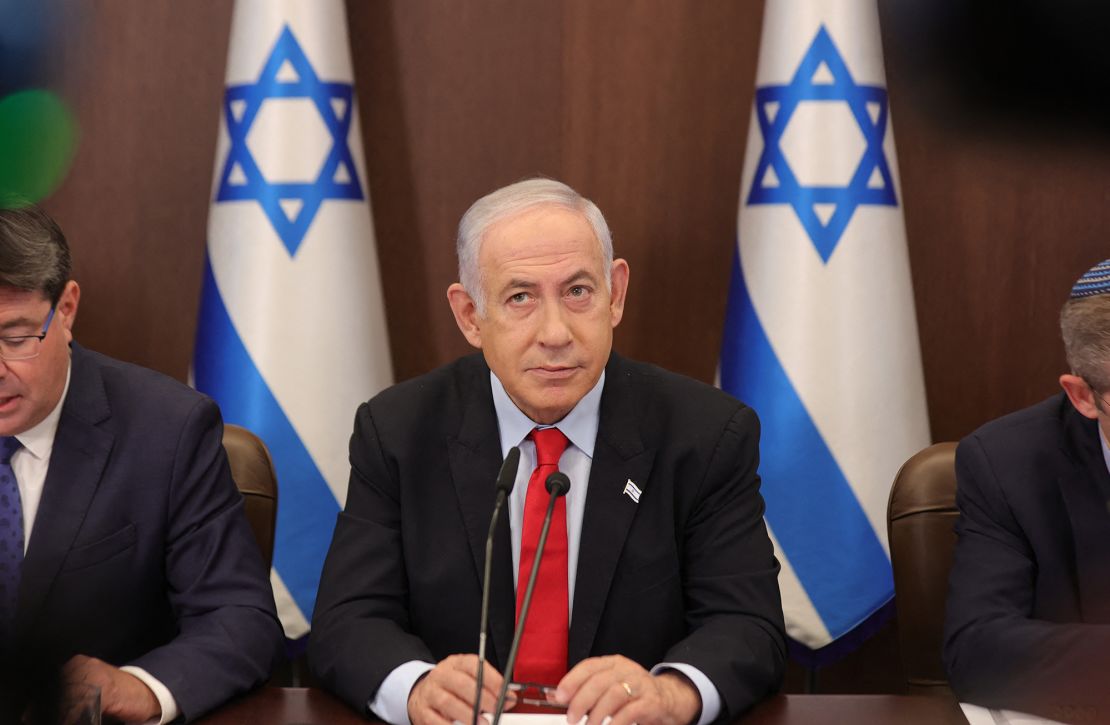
{"x": 78, "y": 458}
{"x": 1086, "y": 492}
{"x": 475, "y": 456}
{"x": 619, "y": 456}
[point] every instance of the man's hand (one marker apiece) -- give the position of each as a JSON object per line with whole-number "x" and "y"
{"x": 446, "y": 693}
{"x": 122, "y": 695}
{"x": 619, "y": 688}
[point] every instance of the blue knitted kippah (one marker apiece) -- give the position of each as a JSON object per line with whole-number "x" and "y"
{"x": 1096, "y": 281}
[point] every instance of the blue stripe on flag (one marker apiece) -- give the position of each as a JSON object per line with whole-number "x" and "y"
{"x": 811, "y": 508}
{"x": 307, "y": 508}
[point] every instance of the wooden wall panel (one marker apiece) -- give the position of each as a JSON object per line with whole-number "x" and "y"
{"x": 624, "y": 102}
{"x": 1005, "y": 206}
{"x": 456, "y": 99}
{"x": 658, "y": 98}
{"x": 145, "y": 81}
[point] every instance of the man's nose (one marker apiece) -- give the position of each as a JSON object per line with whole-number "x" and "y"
{"x": 554, "y": 330}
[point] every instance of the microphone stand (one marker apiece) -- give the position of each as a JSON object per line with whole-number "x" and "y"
{"x": 557, "y": 484}
{"x": 506, "y": 477}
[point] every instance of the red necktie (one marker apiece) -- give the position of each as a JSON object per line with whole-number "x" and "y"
{"x": 543, "y": 647}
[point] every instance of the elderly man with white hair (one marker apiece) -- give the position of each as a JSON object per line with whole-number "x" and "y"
{"x": 657, "y": 598}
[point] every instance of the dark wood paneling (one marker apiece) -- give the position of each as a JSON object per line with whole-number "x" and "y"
{"x": 457, "y": 100}
{"x": 643, "y": 107}
{"x": 658, "y": 98}
{"x": 1003, "y": 212}
{"x": 145, "y": 80}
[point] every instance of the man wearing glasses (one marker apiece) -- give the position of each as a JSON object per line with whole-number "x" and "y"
{"x": 1028, "y": 621}
{"x": 657, "y": 599}
{"x": 124, "y": 552}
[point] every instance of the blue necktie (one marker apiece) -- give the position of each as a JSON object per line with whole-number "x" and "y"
{"x": 11, "y": 533}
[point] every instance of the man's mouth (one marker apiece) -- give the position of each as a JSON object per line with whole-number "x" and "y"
{"x": 554, "y": 372}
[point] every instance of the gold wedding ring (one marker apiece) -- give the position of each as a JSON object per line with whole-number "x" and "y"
{"x": 628, "y": 688}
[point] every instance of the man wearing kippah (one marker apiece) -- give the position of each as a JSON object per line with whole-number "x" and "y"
{"x": 1028, "y": 620}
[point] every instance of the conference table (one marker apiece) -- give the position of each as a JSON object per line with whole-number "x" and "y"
{"x": 309, "y": 706}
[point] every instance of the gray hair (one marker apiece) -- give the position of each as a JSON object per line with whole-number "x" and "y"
{"x": 510, "y": 201}
{"x": 34, "y": 255}
{"x": 1085, "y": 327}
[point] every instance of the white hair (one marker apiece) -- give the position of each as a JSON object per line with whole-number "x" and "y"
{"x": 510, "y": 201}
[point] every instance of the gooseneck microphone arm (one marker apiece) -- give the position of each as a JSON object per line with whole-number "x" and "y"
{"x": 557, "y": 484}
{"x": 506, "y": 477}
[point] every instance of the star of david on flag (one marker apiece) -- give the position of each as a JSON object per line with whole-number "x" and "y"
{"x": 820, "y": 334}
{"x": 290, "y": 205}
{"x": 823, "y": 210}
{"x": 291, "y": 332}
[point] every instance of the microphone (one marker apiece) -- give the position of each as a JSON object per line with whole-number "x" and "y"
{"x": 506, "y": 478}
{"x": 557, "y": 484}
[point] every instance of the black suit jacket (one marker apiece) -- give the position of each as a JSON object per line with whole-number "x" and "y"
{"x": 140, "y": 552}
{"x": 686, "y": 575}
{"x": 1028, "y": 621}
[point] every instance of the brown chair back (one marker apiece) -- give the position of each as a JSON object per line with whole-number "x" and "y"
{"x": 921, "y": 515}
{"x": 253, "y": 472}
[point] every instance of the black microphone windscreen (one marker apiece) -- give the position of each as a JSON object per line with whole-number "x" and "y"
{"x": 507, "y": 477}
{"x": 557, "y": 484}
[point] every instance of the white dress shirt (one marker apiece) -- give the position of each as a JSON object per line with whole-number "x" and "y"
{"x": 580, "y": 427}
{"x": 30, "y": 464}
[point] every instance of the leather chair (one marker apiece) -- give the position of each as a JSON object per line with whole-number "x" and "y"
{"x": 253, "y": 472}
{"x": 921, "y": 515}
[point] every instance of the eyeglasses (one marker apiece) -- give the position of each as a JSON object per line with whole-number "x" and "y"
{"x": 531, "y": 693}
{"x": 24, "y": 347}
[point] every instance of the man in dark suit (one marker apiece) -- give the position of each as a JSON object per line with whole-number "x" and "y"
{"x": 1028, "y": 621}
{"x": 660, "y": 603}
{"x": 124, "y": 550}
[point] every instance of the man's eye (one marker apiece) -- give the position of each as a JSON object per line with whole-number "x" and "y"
{"x": 17, "y": 344}
{"x": 519, "y": 298}
{"x": 578, "y": 291}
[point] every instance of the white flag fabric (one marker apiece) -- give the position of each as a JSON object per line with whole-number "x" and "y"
{"x": 820, "y": 334}
{"x": 291, "y": 335}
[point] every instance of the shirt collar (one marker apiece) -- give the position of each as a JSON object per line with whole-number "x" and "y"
{"x": 579, "y": 425}
{"x": 38, "y": 440}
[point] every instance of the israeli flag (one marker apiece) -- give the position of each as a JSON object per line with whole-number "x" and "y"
{"x": 820, "y": 334}
{"x": 292, "y": 335}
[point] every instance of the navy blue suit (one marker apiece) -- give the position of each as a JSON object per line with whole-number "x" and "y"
{"x": 140, "y": 553}
{"x": 685, "y": 575}
{"x": 1028, "y": 620}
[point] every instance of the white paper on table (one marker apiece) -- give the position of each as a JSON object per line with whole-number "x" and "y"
{"x": 977, "y": 715}
{"x": 508, "y": 718}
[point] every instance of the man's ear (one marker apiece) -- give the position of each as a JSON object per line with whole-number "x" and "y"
{"x": 618, "y": 286}
{"x": 1080, "y": 395}
{"x": 66, "y": 309}
{"x": 466, "y": 314}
